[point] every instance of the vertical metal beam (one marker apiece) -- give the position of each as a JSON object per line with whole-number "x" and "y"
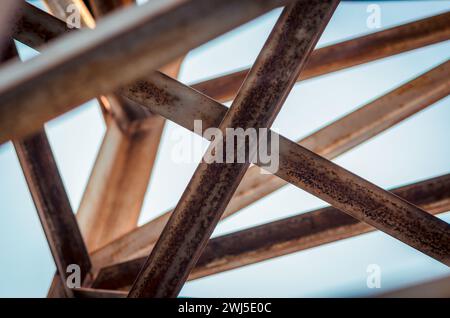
{"x": 210, "y": 189}
{"x": 53, "y": 207}
{"x": 124, "y": 47}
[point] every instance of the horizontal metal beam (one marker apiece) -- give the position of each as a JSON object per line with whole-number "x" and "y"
{"x": 124, "y": 46}
{"x": 285, "y": 236}
{"x": 258, "y": 102}
{"x": 332, "y": 140}
{"x": 346, "y": 54}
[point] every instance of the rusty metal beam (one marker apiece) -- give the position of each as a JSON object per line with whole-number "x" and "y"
{"x": 123, "y": 47}
{"x": 330, "y": 141}
{"x": 285, "y": 236}
{"x": 346, "y": 54}
{"x": 210, "y": 189}
{"x": 51, "y": 201}
{"x": 36, "y": 28}
{"x": 53, "y": 207}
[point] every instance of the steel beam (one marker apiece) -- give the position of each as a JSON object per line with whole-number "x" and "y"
{"x": 346, "y": 54}
{"x": 332, "y": 140}
{"x": 282, "y": 237}
{"x": 51, "y": 201}
{"x": 123, "y": 47}
{"x": 210, "y": 189}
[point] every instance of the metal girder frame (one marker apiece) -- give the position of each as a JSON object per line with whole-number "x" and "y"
{"x": 333, "y": 184}
{"x": 330, "y": 141}
{"x": 259, "y": 100}
{"x": 52, "y": 204}
{"x": 136, "y": 40}
{"x": 281, "y": 237}
{"x": 324, "y": 164}
{"x": 147, "y": 244}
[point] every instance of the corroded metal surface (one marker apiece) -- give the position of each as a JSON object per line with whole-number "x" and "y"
{"x": 283, "y": 236}
{"x": 123, "y": 47}
{"x": 51, "y": 201}
{"x": 210, "y": 189}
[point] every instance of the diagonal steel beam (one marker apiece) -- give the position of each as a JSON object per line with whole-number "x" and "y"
{"x": 210, "y": 189}
{"x": 330, "y": 141}
{"x": 346, "y": 54}
{"x": 285, "y": 236}
{"x": 52, "y": 204}
{"x": 123, "y": 47}
{"x": 37, "y": 28}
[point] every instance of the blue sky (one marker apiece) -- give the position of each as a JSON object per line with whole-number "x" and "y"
{"x": 416, "y": 149}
